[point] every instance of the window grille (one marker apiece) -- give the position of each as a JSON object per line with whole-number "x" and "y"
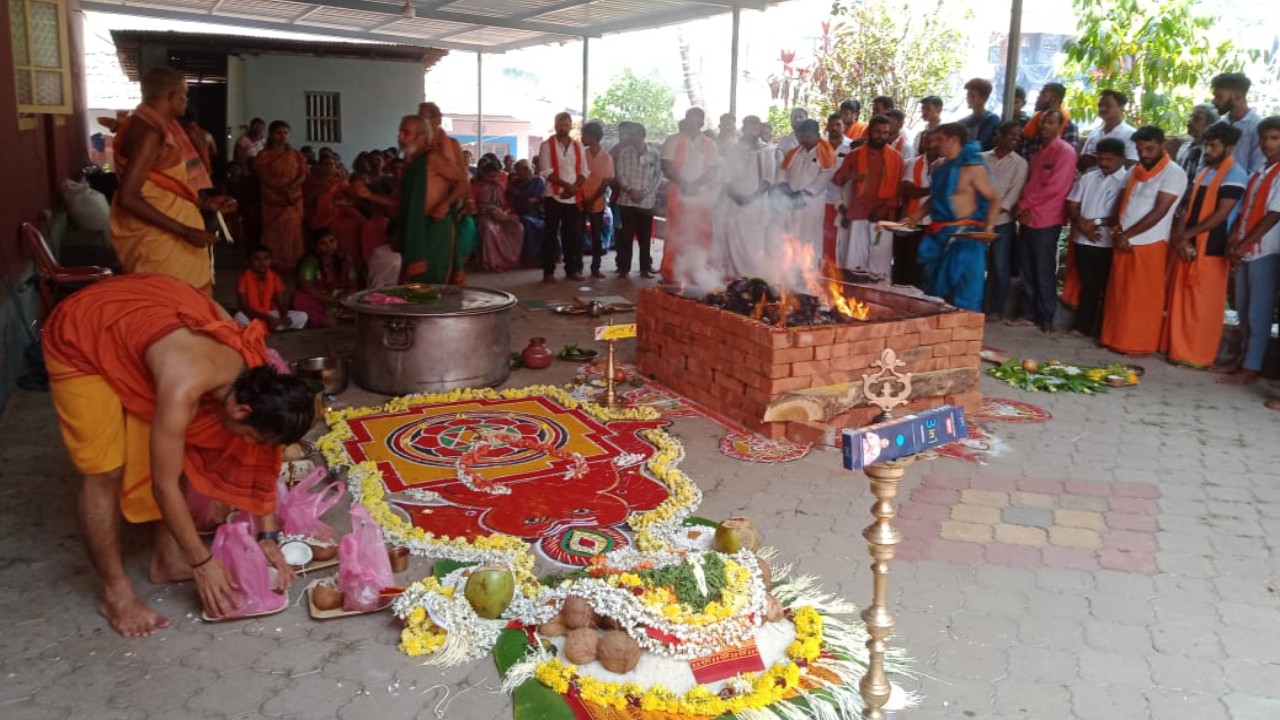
{"x": 324, "y": 117}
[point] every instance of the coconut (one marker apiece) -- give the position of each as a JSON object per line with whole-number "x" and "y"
{"x": 604, "y": 622}
{"x": 580, "y": 646}
{"x": 773, "y": 610}
{"x": 576, "y": 613}
{"x": 292, "y": 451}
{"x": 323, "y": 552}
{"x": 326, "y": 597}
{"x": 489, "y": 590}
{"x": 553, "y": 627}
{"x": 618, "y": 652}
{"x": 1030, "y": 365}
{"x": 736, "y": 533}
{"x": 766, "y": 571}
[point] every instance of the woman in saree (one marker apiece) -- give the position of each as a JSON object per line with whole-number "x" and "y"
{"x": 334, "y": 207}
{"x": 525, "y": 191}
{"x": 325, "y": 276}
{"x": 501, "y": 231}
{"x": 281, "y": 173}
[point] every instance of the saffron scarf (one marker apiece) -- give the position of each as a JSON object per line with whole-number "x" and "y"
{"x": 826, "y": 155}
{"x": 176, "y": 149}
{"x": 1256, "y": 195}
{"x": 1140, "y": 174}
{"x": 1207, "y": 205}
{"x": 892, "y": 170}
{"x": 577, "y": 161}
{"x": 1033, "y": 125}
{"x": 917, "y": 178}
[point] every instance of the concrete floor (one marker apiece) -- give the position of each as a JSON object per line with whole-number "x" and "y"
{"x": 1186, "y": 467}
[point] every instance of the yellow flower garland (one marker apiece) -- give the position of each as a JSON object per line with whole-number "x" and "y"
{"x": 683, "y": 495}
{"x": 420, "y": 635}
{"x": 767, "y": 688}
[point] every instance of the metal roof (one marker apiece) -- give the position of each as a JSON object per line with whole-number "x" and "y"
{"x": 474, "y": 25}
{"x": 202, "y": 57}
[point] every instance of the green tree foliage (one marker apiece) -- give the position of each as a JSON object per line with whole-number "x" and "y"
{"x": 874, "y": 48}
{"x": 1158, "y": 52}
{"x": 636, "y": 99}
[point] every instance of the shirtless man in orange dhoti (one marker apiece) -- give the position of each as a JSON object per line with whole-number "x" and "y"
{"x": 156, "y": 224}
{"x": 154, "y": 383}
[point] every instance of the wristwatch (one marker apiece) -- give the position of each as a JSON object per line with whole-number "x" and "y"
{"x": 273, "y": 535}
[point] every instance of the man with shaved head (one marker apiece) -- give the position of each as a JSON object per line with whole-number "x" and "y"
{"x": 156, "y": 226}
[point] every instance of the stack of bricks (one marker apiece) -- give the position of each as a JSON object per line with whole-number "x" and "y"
{"x": 737, "y": 366}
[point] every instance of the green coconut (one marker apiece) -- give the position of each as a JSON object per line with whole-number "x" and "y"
{"x": 489, "y": 590}
{"x": 736, "y": 533}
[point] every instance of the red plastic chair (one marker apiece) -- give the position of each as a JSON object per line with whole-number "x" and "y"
{"x": 57, "y": 281}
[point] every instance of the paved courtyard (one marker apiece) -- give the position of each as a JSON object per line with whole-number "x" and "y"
{"x": 1121, "y": 559}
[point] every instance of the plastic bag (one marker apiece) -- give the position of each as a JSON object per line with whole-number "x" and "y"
{"x": 300, "y": 509}
{"x": 247, "y": 565}
{"x": 87, "y": 207}
{"x": 204, "y": 512}
{"x": 364, "y": 569}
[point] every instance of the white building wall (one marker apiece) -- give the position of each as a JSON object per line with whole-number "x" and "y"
{"x": 374, "y": 95}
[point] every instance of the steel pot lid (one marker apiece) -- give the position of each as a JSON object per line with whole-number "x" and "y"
{"x": 430, "y": 301}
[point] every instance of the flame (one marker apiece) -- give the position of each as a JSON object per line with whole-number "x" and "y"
{"x": 799, "y": 263}
{"x": 758, "y": 312}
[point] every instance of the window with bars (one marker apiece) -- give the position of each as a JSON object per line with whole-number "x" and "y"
{"x": 41, "y": 67}
{"x": 324, "y": 117}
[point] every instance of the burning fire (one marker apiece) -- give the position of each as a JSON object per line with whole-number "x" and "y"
{"x": 798, "y": 262}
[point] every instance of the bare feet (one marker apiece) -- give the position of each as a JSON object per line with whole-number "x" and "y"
{"x": 1225, "y": 369}
{"x": 1073, "y": 333}
{"x": 131, "y": 617}
{"x": 1240, "y": 377}
{"x": 164, "y": 573}
{"x": 994, "y": 317}
{"x": 1020, "y": 322}
{"x": 1273, "y": 404}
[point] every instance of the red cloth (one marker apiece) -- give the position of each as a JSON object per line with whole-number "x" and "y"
{"x": 106, "y": 330}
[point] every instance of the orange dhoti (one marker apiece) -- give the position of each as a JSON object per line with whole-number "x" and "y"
{"x": 1134, "y": 314}
{"x": 95, "y": 345}
{"x": 688, "y": 235}
{"x": 1070, "y": 279}
{"x": 1197, "y": 302}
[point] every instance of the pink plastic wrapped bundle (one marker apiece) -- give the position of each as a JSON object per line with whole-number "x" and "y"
{"x": 364, "y": 569}
{"x": 244, "y": 560}
{"x": 204, "y": 512}
{"x": 300, "y": 509}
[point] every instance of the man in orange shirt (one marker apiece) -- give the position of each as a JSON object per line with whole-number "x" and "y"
{"x": 153, "y": 384}
{"x": 599, "y": 176}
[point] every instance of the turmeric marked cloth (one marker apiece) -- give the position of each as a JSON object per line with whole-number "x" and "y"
{"x": 95, "y": 344}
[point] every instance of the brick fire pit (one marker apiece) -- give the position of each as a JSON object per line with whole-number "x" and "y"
{"x": 807, "y": 380}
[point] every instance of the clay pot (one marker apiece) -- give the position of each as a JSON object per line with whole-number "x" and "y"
{"x": 323, "y": 553}
{"x": 399, "y": 556}
{"x": 536, "y": 355}
{"x": 326, "y": 597}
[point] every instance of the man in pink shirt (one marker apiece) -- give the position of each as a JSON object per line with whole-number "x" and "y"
{"x": 1042, "y": 212}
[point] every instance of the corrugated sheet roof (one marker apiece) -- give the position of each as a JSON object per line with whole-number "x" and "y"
{"x": 476, "y": 25}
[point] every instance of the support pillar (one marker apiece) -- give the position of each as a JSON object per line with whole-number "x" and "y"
{"x": 586, "y": 54}
{"x": 479, "y": 105}
{"x": 1012, "y": 54}
{"x": 733, "y": 65}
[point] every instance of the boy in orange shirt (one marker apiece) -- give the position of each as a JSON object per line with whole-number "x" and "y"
{"x": 261, "y": 294}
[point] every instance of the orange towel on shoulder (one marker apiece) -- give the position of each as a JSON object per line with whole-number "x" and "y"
{"x": 106, "y": 329}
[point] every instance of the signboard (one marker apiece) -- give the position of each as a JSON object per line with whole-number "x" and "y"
{"x": 900, "y": 437}
{"x": 616, "y": 332}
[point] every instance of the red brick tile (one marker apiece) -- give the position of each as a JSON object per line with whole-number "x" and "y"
{"x": 1013, "y": 555}
{"x": 864, "y": 347}
{"x": 935, "y": 496}
{"x": 945, "y": 482}
{"x": 780, "y": 339}
{"x": 793, "y": 355}
{"x": 789, "y": 384}
{"x": 964, "y": 333}
{"x": 947, "y": 349}
{"x": 925, "y": 511}
{"x": 934, "y": 337}
{"x": 1130, "y": 521}
{"x": 974, "y": 347}
{"x": 1123, "y": 561}
{"x": 961, "y": 553}
{"x": 1145, "y": 491}
{"x": 822, "y": 352}
{"x": 1130, "y": 541}
{"x": 1048, "y": 487}
{"x": 1092, "y": 489}
{"x": 1136, "y": 506}
{"x": 811, "y": 367}
{"x": 951, "y": 319}
{"x": 810, "y": 338}
{"x": 1069, "y": 558}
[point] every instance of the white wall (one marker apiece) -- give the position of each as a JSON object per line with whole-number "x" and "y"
{"x": 375, "y": 94}
{"x": 236, "y": 113}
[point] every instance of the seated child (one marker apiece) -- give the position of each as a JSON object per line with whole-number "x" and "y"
{"x": 261, "y": 295}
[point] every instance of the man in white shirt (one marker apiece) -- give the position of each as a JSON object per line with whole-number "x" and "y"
{"x": 834, "y": 235}
{"x": 1230, "y": 99}
{"x": 802, "y": 187}
{"x": 1091, "y": 211}
{"x": 1111, "y": 104}
{"x": 690, "y": 163}
{"x": 897, "y": 119}
{"x": 1134, "y": 306}
{"x": 1255, "y": 242}
{"x": 563, "y": 164}
{"x": 743, "y": 231}
{"x": 1009, "y": 171}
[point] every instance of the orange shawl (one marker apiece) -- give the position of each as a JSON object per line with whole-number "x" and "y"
{"x": 1256, "y": 195}
{"x": 106, "y": 329}
{"x": 176, "y": 148}
{"x": 1029, "y": 130}
{"x": 917, "y": 178}
{"x": 577, "y": 161}
{"x": 1140, "y": 173}
{"x": 892, "y": 170}
{"x": 856, "y": 130}
{"x": 1207, "y": 205}
{"x": 826, "y": 155}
